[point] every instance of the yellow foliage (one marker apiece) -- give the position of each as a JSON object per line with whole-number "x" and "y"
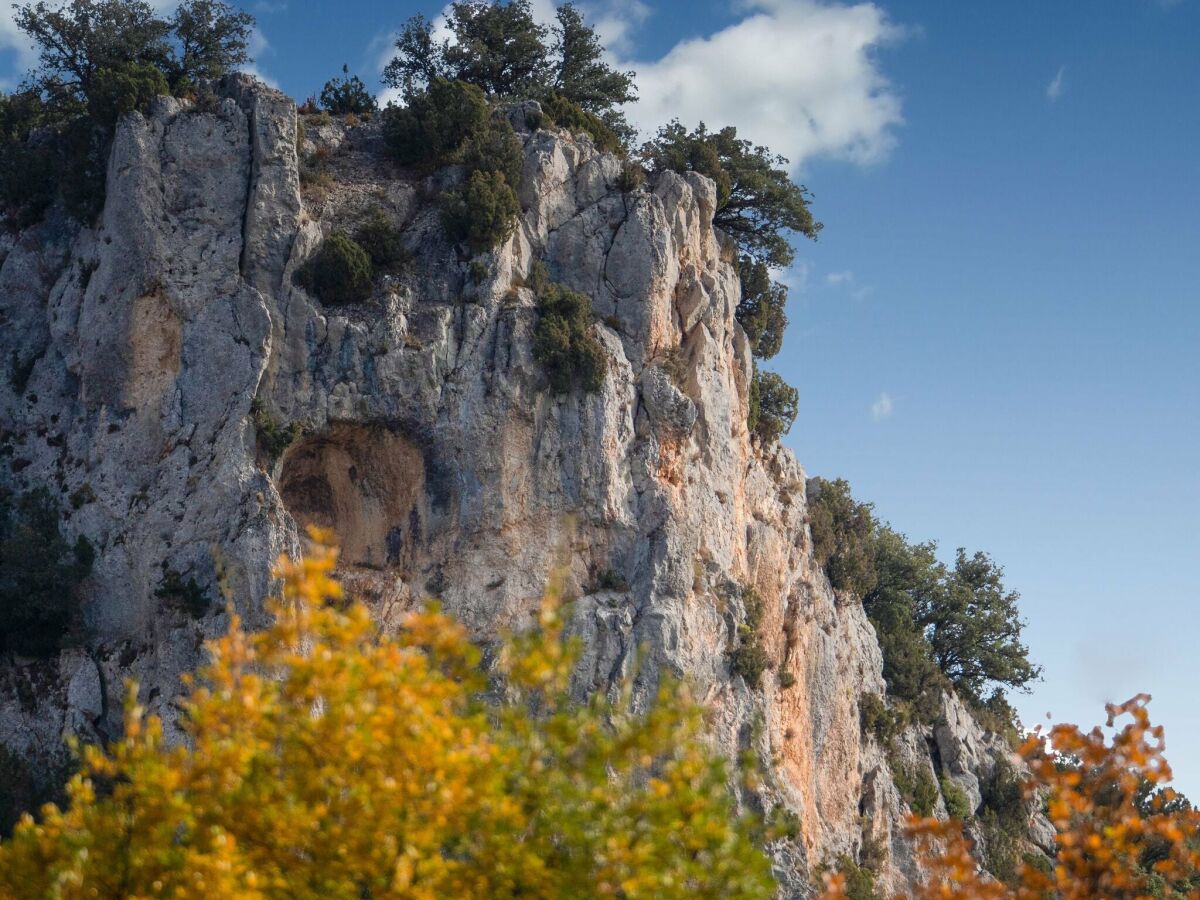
{"x": 327, "y": 760}
{"x": 1120, "y": 832}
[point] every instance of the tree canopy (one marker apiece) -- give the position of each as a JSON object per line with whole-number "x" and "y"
{"x": 501, "y": 48}
{"x": 758, "y": 204}
{"x": 325, "y": 758}
{"x": 935, "y": 624}
{"x": 98, "y": 59}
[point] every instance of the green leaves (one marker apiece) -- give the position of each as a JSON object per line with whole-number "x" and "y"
{"x": 564, "y": 340}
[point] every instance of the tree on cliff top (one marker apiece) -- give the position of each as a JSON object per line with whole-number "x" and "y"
{"x": 98, "y": 59}
{"x": 500, "y": 48}
{"x": 327, "y": 759}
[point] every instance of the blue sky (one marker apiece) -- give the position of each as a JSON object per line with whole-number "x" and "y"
{"x": 995, "y": 339}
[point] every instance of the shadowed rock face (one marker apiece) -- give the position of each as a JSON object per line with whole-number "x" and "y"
{"x": 432, "y": 445}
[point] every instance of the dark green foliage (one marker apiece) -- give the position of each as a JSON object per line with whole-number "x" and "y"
{"x": 996, "y": 714}
{"x": 272, "y": 436}
{"x": 212, "y": 40}
{"x": 482, "y": 213}
{"x": 478, "y": 271}
{"x": 381, "y": 240}
{"x": 974, "y": 628}
{"x": 749, "y": 658}
{"x": 28, "y": 174}
{"x": 99, "y": 59}
{"x": 495, "y": 149}
{"x": 500, "y": 47}
{"x": 905, "y": 575}
{"x": 609, "y": 580}
{"x": 436, "y": 122}
{"x": 786, "y": 680}
{"x": 80, "y": 38}
{"x": 584, "y": 78}
{"x": 762, "y": 310}
{"x": 340, "y": 272}
{"x": 123, "y": 89}
{"x": 39, "y": 574}
{"x": 916, "y": 786}
{"x": 757, "y": 202}
{"x": 957, "y": 803}
{"x": 82, "y": 496}
{"x": 936, "y": 626}
{"x": 632, "y": 177}
{"x": 859, "y": 881}
{"x": 186, "y": 596}
{"x": 347, "y": 94}
{"x": 1003, "y": 819}
{"x": 773, "y": 407}
{"x": 564, "y": 341}
{"x": 569, "y": 115}
{"x": 877, "y": 719}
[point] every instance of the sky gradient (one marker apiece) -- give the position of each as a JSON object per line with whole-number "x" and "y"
{"x": 995, "y": 339}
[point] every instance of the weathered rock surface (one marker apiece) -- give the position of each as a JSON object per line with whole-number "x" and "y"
{"x": 432, "y": 444}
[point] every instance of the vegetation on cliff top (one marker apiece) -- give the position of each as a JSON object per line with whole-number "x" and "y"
{"x": 327, "y": 759}
{"x": 98, "y": 59}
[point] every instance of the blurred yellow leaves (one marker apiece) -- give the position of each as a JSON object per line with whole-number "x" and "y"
{"x": 326, "y": 759}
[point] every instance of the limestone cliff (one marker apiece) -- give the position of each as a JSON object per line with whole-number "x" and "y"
{"x": 430, "y": 442}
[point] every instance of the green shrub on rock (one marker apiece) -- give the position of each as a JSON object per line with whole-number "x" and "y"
{"x": 436, "y": 124}
{"x": 571, "y": 116}
{"x": 749, "y": 658}
{"x": 957, "y": 803}
{"x": 482, "y": 212}
{"x": 773, "y": 406}
{"x": 495, "y": 149}
{"x": 345, "y": 95}
{"x": 340, "y": 272}
{"x": 381, "y": 240}
{"x": 564, "y": 341}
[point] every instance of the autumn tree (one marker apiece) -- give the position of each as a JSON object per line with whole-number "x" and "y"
{"x": 327, "y": 759}
{"x": 1121, "y": 830}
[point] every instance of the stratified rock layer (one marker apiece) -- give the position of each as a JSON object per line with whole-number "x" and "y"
{"x": 431, "y": 442}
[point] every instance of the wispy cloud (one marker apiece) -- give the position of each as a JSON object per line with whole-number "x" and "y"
{"x": 1055, "y": 88}
{"x": 883, "y": 407}
{"x": 834, "y": 279}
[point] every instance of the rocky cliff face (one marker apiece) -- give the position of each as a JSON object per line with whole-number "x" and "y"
{"x": 430, "y": 443}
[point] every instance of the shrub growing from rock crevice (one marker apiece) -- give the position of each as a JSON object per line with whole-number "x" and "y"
{"x": 340, "y": 272}
{"x": 482, "y": 212}
{"x": 748, "y": 658}
{"x": 564, "y": 341}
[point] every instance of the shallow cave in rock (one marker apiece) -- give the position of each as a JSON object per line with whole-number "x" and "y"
{"x": 364, "y": 482}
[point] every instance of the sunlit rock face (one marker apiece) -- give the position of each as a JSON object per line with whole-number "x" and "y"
{"x": 428, "y": 440}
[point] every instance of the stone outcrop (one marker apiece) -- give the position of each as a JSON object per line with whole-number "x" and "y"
{"x": 430, "y": 442}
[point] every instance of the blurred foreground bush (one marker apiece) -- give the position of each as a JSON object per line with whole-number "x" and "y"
{"x": 326, "y": 759}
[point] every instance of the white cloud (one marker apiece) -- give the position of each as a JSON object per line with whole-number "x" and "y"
{"x": 882, "y": 408}
{"x": 1055, "y": 88}
{"x": 834, "y": 279}
{"x": 799, "y": 76}
{"x": 794, "y": 277}
{"x": 615, "y": 21}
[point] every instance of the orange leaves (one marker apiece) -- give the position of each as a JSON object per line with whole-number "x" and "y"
{"x": 325, "y": 759}
{"x": 1120, "y": 833}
